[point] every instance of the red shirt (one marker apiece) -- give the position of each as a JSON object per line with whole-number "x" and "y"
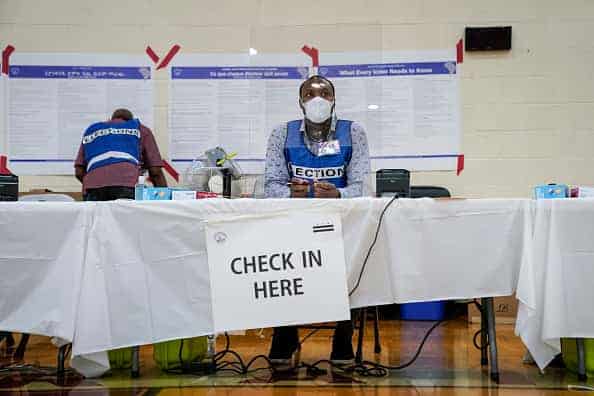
{"x": 123, "y": 174}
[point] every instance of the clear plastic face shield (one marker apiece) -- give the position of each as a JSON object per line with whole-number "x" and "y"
{"x": 316, "y": 99}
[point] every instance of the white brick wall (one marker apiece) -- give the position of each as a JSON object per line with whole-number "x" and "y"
{"x": 528, "y": 115}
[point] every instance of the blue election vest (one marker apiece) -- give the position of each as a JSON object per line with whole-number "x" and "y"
{"x": 107, "y": 143}
{"x": 303, "y": 164}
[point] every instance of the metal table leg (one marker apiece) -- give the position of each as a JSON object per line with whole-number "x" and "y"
{"x": 135, "y": 371}
{"x": 19, "y": 353}
{"x": 581, "y": 356}
{"x": 359, "y": 354}
{"x": 4, "y": 335}
{"x": 484, "y": 359}
{"x": 377, "y": 347}
{"x": 494, "y": 368}
{"x": 61, "y": 360}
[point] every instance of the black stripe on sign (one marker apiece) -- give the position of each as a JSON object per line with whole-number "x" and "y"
{"x": 323, "y": 229}
{"x": 323, "y": 226}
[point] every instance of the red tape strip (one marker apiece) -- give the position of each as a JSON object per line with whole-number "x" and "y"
{"x": 172, "y": 52}
{"x": 313, "y": 53}
{"x": 460, "y": 165}
{"x": 3, "y": 168}
{"x": 171, "y": 170}
{"x": 5, "y": 58}
{"x": 459, "y": 51}
{"x": 154, "y": 57}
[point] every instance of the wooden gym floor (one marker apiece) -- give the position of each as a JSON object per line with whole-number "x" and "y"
{"x": 448, "y": 365}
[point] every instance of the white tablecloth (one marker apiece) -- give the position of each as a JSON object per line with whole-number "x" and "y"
{"x": 555, "y": 288}
{"x": 42, "y": 249}
{"x": 145, "y": 273}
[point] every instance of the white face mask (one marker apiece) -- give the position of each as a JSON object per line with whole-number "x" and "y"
{"x": 318, "y": 109}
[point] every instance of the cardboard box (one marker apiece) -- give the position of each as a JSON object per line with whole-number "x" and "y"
{"x": 183, "y": 195}
{"x": 506, "y": 310}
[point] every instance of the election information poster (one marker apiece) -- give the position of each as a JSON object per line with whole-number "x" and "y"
{"x": 53, "y": 98}
{"x": 263, "y": 276}
{"x": 2, "y": 114}
{"x": 234, "y": 106}
{"x": 407, "y": 102}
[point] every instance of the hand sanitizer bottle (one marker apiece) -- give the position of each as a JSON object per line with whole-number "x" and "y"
{"x": 139, "y": 188}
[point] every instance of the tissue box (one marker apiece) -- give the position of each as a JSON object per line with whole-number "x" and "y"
{"x": 550, "y": 191}
{"x": 582, "y": 192}
{"x": 154, "y": 194}
{"x": 168, "y": 193}
{"x": 183, "y": 195}
{"x": 206, "y": 194}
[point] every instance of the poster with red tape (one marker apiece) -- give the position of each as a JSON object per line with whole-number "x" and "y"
{"x": 53, "y": 98}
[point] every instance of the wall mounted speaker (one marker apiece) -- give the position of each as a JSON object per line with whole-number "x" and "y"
{"x": 495, "y": 38}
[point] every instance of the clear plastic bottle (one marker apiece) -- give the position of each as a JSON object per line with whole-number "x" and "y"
{"x": 139, "y": 188}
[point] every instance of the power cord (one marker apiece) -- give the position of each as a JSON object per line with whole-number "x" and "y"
{"x": 239, "y": 367}
{"x": 377, "y": 229}
{"x": 373, "y": 369}
{"x": 314, "y": 331}
{"x": 365, "y": 368}
{"x": 34, "y": 369}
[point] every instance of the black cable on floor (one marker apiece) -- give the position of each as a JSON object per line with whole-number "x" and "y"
{"x": 26, "y": 368}
{"x": 309, "y": 335}
{"x": 373, "y": 369}
{"x": 365, "y": 368}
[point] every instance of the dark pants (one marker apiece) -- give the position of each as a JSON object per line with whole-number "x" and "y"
{"x": 285, "y": 341}
{"x": 110, "y": 193}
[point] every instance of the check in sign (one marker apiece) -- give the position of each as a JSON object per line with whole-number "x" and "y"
{"x": 277, "y": 270}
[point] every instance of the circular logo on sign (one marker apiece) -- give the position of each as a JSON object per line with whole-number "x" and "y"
{"x": 145, "y": 72}
{"x": 450, "y": 67}
{"x": 220, "y": 237}
{"x": 303, "y": 71}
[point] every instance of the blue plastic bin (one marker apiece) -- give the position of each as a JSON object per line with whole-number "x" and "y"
{"x": 432, "y": 310}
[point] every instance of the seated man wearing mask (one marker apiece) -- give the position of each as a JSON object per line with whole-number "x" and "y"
{"x": 317, "y": 157}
